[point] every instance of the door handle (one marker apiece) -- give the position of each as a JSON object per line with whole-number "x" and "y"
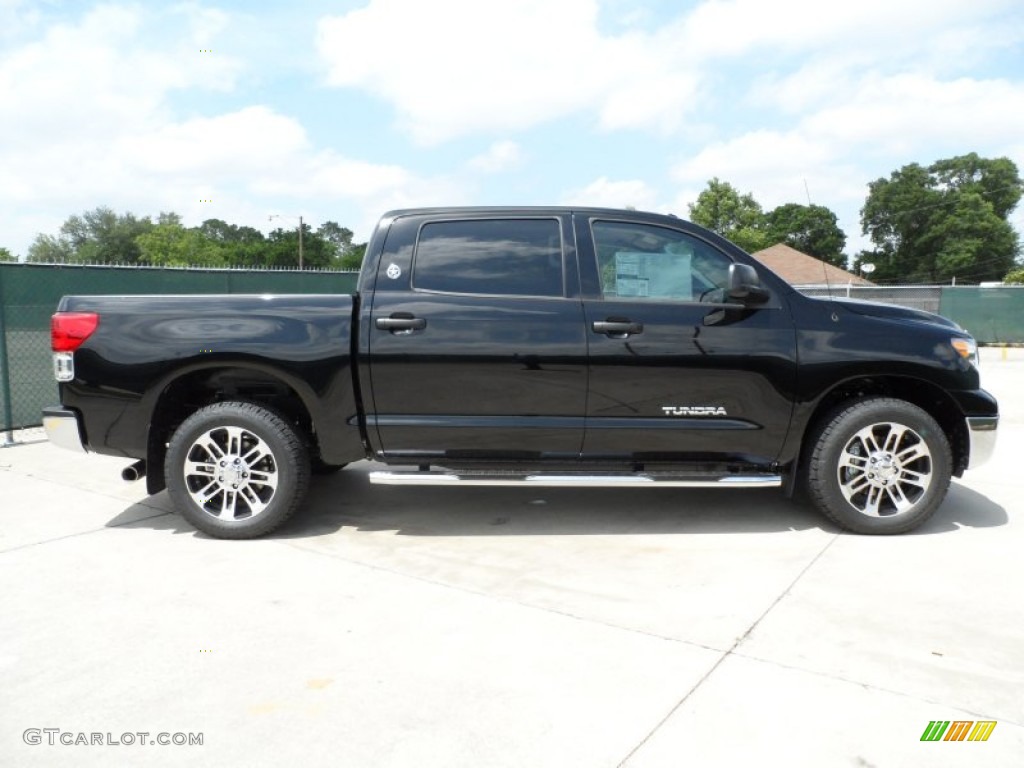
{"x": 617, "y": 328}
{"x": 399, "y": 323}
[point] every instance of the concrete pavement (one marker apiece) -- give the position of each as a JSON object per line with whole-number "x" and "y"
{"x": 509, "y": 627}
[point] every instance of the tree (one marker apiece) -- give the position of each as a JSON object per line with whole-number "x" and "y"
{"x": 99, "y": 236}
{"x": 6, "y": 255}
{"x": 739, "y": 218}
{"x": 1015, "y": 276}
{"x": 317, "y": 252}
{"x": 996, "y": 180}
{"x": 345, "y": 253}
{"x": 236, "y": 246}
{"x": 353, "y": 258}
{"x": 944, "y": 221}
{"x": 335, "y": 234}
{"x": 811, "y": 229}
{"x": 172, "y": 245}
{"x": 49, "y": 250}
{"x": 222, "y": 232}
{"x": 102, "y": 236}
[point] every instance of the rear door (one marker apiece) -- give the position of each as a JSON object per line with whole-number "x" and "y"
{"x": 675, "y": 374}
{"x": 477, "y": 341}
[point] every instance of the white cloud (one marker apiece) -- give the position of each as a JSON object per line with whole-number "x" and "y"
{"x": 723, "y": 28}
{"x": 762, "y": 153}
{"x": 606, "y": 193}
{"x": 99, "y": 75}
{"x": 455, "y": 67}
{"x": 205, "y": 24}
{"x": 899, "y": 113}
{"x": 500, "y": 156}
{"x": 224, "y": 146}
{"x": 86, "y": 120}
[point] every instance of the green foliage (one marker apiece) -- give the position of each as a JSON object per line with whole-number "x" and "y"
{"x": 862, "y": 258}
{"x": 99, "y": 236}
{"x": 739, "y": 218}
{"x": 811, "y": 229}
{"x": 338, "y": 236}
{"x": 50, "y": 250}
{"x": 1015, "y": 276}
{"x": 6, "y": 255}
{"x": 172, "y": 245}
{"x": 103, "y": 237}
{"x": 345, "y": 254}
{"x": 948, "y": 220}
{"x": 282, "y": 249}
{"x": 353, "y": 257}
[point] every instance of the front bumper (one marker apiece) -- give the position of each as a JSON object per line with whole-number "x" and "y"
{"x": 63, "y": 428}
{"x": 982, "y": 433}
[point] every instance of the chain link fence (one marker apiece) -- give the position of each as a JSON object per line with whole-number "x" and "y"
{"x": 29, "y": 294}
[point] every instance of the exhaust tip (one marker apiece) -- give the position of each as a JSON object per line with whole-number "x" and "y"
{"x": 134, "y": 471}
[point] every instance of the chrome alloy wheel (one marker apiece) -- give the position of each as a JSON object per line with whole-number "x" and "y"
{"x": 884, "y": 469}
{"x": 231, "y": 473}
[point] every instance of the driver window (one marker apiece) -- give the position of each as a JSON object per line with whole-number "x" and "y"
{"x": 646, "y": 262}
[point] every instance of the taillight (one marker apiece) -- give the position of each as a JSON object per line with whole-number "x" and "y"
{"x": 69, "y": 329}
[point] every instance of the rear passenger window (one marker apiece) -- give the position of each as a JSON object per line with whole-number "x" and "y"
{"x": 512, "y": 257}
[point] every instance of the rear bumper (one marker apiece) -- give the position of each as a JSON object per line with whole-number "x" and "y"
{"x": 63, "y": 428}
{"x": 982, "y": 433}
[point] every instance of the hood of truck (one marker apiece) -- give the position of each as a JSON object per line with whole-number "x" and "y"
{"x": 893, "y": 312}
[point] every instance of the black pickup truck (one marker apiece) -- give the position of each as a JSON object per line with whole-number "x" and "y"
{"x": 534, "y": 346}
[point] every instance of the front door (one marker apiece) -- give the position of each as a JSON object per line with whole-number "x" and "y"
{"x": 675, "y": 374}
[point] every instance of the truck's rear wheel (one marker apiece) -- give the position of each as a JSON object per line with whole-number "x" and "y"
{"x": 879, "y": 465}
{"x": 236, "y": 470}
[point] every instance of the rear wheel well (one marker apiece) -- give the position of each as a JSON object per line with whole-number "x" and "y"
{"x": 187, "y": 394}
{"x": 925, "y": 395}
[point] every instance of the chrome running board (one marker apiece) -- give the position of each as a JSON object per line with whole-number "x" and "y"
{"x": 659, "y": 480}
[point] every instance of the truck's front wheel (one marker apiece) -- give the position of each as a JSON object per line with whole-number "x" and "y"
{"x": 236, "y": 470}
{"x": 880, "y": 465}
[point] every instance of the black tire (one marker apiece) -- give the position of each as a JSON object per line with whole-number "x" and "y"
{"x": 236, "y": 470}
{"x": 878, "y": 466}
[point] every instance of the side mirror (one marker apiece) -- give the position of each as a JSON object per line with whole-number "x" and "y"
{"x": 745, "y": 286}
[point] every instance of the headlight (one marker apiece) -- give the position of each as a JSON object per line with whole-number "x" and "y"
{"x": 966, "y": 348}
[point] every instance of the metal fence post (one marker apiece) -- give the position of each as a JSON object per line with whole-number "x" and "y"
{"x": 7, "y": 433}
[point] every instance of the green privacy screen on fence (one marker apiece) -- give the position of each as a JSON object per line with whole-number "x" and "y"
{"x": 29, "y": 294}
{"x": 991, "y": 315}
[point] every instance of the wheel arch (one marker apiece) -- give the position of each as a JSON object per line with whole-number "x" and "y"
{"x": 181, "y": 396}
{"x": 931, "y": 398}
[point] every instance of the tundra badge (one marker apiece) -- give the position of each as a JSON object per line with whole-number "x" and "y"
{"x": 694, "y": 410}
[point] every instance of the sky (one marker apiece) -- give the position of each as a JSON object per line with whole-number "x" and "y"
{"x": 343, "y": 110}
